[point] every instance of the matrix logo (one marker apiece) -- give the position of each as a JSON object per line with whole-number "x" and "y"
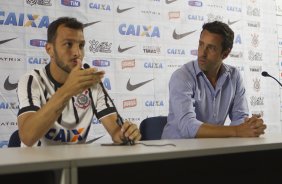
{"x": 71, "y": 3}
{"x": 26, "y": 20}
{"x": 38, "y": 43}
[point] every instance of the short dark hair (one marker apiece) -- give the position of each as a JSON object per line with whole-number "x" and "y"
{"x": 222, "y": 29}
{"x": 69, "y": 22}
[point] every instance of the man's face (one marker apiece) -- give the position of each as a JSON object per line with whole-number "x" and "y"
{"x": 210, "y": 53}
{"x": 67, "y": 48}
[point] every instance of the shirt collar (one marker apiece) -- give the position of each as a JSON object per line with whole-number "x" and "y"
{"x": 57, "y": 84}
{"x": 225, "y": 69}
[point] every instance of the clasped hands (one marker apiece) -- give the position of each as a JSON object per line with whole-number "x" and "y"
{"x": 252, "y": 127}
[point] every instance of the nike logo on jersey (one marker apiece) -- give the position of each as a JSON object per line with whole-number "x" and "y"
{"x": 123, "y": 10}
{"x": 131, "y": 87}
{"x": 169, "y": 1}
{"x": 124, "y": 49}
{"x": 9, "y": 86}
{"x": 89, "y": 24}
{"x": 179, "y": 36}
{"x": 7, "y": 40}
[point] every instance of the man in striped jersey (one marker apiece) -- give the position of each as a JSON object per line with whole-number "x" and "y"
{"x": 58, "y": 102}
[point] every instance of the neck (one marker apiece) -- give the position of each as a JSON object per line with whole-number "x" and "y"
{"x": 58, "y": 74}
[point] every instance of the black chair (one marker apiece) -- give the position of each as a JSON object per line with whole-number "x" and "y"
{"x": 152, "y": 128}
{"x": 14, "y": 140}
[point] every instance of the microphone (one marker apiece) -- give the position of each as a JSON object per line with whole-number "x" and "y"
{"x": 265, "y": 74}
{"x": 119, "y": 120}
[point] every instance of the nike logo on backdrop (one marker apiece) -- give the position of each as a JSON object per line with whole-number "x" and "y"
{"x": 89, "y": 24}
{"x": 131, "y": 87}
{"x": 124, "y": 49}
{"x": 9, "y": 86}
{"x": 232, "y": 22}
{"x": 123, "y": 10}
{"x": 169, "y": 1}
{"x": 179, "y": 36}
{"x": 4, "y": 41}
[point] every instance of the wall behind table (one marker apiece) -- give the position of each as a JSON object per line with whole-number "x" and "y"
{"x": 136, "y": 41}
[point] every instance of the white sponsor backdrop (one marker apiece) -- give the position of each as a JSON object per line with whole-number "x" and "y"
{"x": 136, "y": 41}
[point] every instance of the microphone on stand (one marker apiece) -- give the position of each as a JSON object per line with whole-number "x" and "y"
{"x": 265, "y": 74}
{"x": 119, "y": 120}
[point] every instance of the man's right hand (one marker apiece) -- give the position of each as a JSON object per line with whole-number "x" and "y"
{"x": 80, "y": 80}
{"x": 252, "y": 127}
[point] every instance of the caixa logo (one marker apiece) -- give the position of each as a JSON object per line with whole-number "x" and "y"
{"x": 101, "y": 63}
{"x": 152, "y": 103}
{"x": 38, "y": 60}
{"x": 25, "y": 20}
{"x": 9, "y": 105}
{"x": 139, "y": 30}
{"x": 195, "y": 3}
{"x": 71, "y": 3}
{"x": 37, "y": 42}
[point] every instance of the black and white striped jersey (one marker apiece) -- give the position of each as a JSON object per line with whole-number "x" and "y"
{"x": 35, "y": 89}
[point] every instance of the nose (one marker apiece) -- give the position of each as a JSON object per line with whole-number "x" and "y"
{"x": 77, "y": 51}
{"x": 203, "y": 51}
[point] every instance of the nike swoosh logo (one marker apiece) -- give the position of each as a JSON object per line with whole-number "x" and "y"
{"x": 169, "y": 1}
{"x": 123, "y": 10}
{"x": 9, "y": 86}
{"x": 4, "y": 41}
{"x": 124, "y": 49}
{"x": 232, "y": 22}
{"x": 179, "y": 36}
{"x": 131, "y": 87}
{"x": 89, "y": 24}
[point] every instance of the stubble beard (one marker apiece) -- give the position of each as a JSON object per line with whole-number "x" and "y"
{"x": 60, "y": 63}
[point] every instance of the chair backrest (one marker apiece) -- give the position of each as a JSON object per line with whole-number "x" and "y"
{"x": 14, "y": 140}
{"x": 152, "y": 128}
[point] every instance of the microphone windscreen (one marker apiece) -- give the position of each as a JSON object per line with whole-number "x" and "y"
{"x": 264, "y": 73}
{"x": 85, "y": 66}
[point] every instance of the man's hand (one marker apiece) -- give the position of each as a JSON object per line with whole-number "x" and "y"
{"x": 80, "y": 80}
{"x": 130, "y": 131}
{"x": 252, "y": 127}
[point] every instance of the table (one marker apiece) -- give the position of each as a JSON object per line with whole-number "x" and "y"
{"x": 205, "y": 159}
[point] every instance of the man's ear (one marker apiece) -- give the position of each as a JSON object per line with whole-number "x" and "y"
{"x": 226, "y": 53}
{"x": 49, "y": 49}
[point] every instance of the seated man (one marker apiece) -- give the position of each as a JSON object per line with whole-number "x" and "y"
{"x": 58, "y": 102}
{"x": 203, "y": 92}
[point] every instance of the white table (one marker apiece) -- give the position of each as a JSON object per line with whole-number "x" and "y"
{"x": 71, "y": 162}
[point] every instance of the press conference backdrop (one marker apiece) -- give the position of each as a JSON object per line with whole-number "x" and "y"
{"x": 143, "y": 42}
